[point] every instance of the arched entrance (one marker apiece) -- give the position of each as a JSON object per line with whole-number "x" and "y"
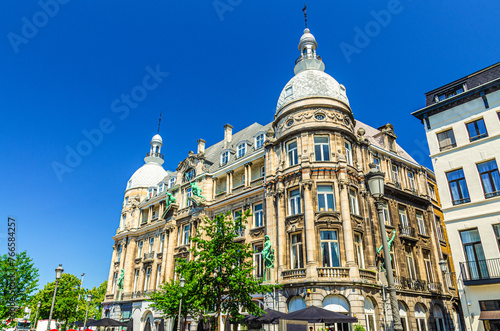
{"x": 370, "y": 315}
{"x": 340, "y": 305}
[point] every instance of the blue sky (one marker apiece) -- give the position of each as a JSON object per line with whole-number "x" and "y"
{"x": 220, "y": 62}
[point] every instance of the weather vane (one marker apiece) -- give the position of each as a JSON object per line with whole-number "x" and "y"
{"x": 159, "y": 122}
{"x": 305, "y": 14}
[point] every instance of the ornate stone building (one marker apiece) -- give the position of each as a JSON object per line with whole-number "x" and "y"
{"x": 302, "y": 175}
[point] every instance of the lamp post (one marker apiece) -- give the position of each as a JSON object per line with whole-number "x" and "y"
{"x": 375, "y": 180}
{"x": 37, "y": 309}
{"x": 89, "y": 297}
{"x": 182, "y": 282}
{"x": 59, "y": 271}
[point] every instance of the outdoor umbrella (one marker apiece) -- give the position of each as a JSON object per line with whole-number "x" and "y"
{"x": 161, "y": 327}
{"x": 106, "y": 322}
{"x": 130, "y": 325}
{"x": 80, "y": 323}
{"x": 270, "y": 316}
{"x": 318, "y": 315}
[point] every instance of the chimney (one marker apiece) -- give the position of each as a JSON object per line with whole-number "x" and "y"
{"x": 201, "y": 146}
{"x": 228, "y": 133}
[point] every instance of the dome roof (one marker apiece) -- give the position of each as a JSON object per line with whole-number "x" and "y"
{"x": 157, "y": 138}
{"x": 307, "y": 37}
{"x": 310, "y": 83}
{"x": 148, "y": 175}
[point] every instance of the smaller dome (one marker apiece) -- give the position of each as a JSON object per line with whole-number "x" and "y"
{"x": 307, "y": 38}
{"x": 146, "y": 176}
{"x": 157, "y": 138}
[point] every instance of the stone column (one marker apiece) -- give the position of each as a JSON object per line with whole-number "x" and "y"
{"x": 280, "y": 196}
{"x": 169, "y": 274}
{"x": 347, "y": 225}
{"x": 128, "y": 284}
{"x": 214, "y": 189}
{"x": 164, "y": 252}
{"x": 229, "y": 182}
{"x": 309, "y": 226}
{"x": 368, "y": 249}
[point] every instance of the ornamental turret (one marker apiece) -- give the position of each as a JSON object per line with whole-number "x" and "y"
{"x": 308, "y": 60}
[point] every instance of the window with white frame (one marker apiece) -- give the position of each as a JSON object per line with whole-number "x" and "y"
{"x": 428, "y": 265}
{"x": 330, "y": 253}
{"x": 326, "y": 198}
{"x": 392, "y": 253}
{"x": 237, "y": 222}
{"x": 296, "y": 251}
{"x": 411, "y": 180}
{"x": 188, "y": 196}
{"x": 421, "y": 223}
{"x": 171, "y": 182}
{"x": 403, "y": 316}
{"x": 185, "y": 234}
{"x": 403, "y": 217}
{"x": 158, "y": 276}
{"x": 385, "y": 212}
{"x": 358, "y": 246}
{"x": 446, "y": 139}
{"x": 258, "y": 215}
{"x": 496, "y": 230}
{"x": 291, "y": 149}
{"x": 410, "y": 263}
{"x": 395, "y": 173}
{"x": 259, "y": 141}
{"x": 353, "y": 201}
{"x": 136, "y": 280}
{"x": 242, "y": 148}
{"x": 139, "y": 249}
{"x": 162, "y": 242}
{"x": 348, "y": 153}
{"x": 224, "y": 158}
{"x": 439, "y": 228}
{"x": 147, "y": 279}
{"x": 161, "y": 188}
{"x": 438, "y": 318}
{"x": 294, "y": 202}
{"x": 321, "y": 148}
{"x": 258, "y": 262}
{"x": 370, "y": 315}
{"x": 376, "y": 161}
{"x": 288, "y": 91}
{"x": 151, "y": 244}
{"x": 151, "y": 192}
{"x": 420, "y": 317}
{"x": 432, "y": 191}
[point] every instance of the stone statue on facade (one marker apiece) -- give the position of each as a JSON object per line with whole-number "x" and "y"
{"x": 267, "y": 255}
{"x": 119, "y": 283}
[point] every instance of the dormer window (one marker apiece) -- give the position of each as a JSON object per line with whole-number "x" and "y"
{"x": 392, "y": 145}
{"x": 288, "y": 91}
{"x": 171, "y": 182}
{"x": 189, "y": 175}
{"x": 151, "y": 192}
{"x": 450, "y": 93}
{"x": 242, "y": 148}
{"x": 224, "y": 158}
{"x": 259, "y": 141}
{"x": 161, "y": 188}
{"x": 129, "y": 184}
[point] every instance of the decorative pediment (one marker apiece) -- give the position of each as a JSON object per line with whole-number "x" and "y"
{"x": 256, "y": 232}
{"x": 327, "y": 218}
{"x": 294, "y": 223}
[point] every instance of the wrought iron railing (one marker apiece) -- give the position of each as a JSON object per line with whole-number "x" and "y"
{"x": 160, "y": 155}
{"x": 333, "y": 272}
{"x": 403, "y": 283}
{"x": 407, "y": 231}
{"x": 460, "y": 201}
{"x": 480, "y": 270}
{"x": 491, "y": 194}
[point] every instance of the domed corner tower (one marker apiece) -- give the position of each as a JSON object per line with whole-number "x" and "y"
{"x": 312, "y": 97}
{"x": 144, "y": 179}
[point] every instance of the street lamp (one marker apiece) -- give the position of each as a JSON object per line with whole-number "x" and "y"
{"x": 89, "y": 297}
{"x": 182, "y": 282}
{"x": 375, "y": 180}
{"x": 444, "y": 266}
{"x": 37, "y": 308}
{"x": 59, "y": 271}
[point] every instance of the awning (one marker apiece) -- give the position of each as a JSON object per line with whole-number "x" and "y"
{"x": 490, "y": 315}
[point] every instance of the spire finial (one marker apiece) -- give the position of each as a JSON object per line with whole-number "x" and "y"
{"x": 305, "y": 14}
{"x": 159, "y": 122}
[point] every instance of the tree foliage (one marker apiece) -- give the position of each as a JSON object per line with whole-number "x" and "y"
{"x": 18, "y": 281}
{"x": 219, "y": 276}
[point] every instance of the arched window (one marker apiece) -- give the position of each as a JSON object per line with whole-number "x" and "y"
{"x": 403, "y": 316}
{"x": 242, "y": 148}
{"x": 438, "y": 318}
{"x": 340, "y": 305}
{"x": 420, "y": 317}
{"x": 296, "y": 303}
{"x": 189, "y": 175}
{"x": 259, "y": 141}
{"x": 224, "y": 158}
{"x": 370, "y": 315}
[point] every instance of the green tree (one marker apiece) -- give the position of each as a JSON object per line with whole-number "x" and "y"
{"x": 219, "y": 277}
{"x": 18, "y": 281}
{"x": 95, "y": 306}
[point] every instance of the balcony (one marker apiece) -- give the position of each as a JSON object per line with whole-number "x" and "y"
{"x": 481, "y": 272}
{"x": 257, "y": 182}
{"x": 369, "y": 275}
{"x": 492, "y": 194}
{"x": 408, "y": 232}
{"x": 294, "y": 273}
{"x": 149, "y": 154}
{"x": 333, "y": 273}
{"x": 403, "y": 283}
{"x": 149, "y": 256}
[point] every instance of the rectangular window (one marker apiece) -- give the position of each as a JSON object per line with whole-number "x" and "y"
{"x": 151, "y": 244}
{"x": 432, "y": 191}
{"x": 358, "y": 246}
{"x": 376, "y": 161}
{"x": 411, "y": 180}
{"x": 326, "y": 199}
{"x": 293, "y": 158}
{"x": 446, "y": 140}
{"x": 147, "y": 279}
{"x": 296, "y": 251}
{"x": 237, "y": 223}
{"x": 136, "y": 280}
{"x": 158, "y": 275}
{"x": 477, "y": 130}
{"x": 262, "y": 171}
{"x": 421, "y": 223}
{"x": 439, "y": 227}
{"x": 410, "y": 263}
{"x": 458, "y": 187}
{"x": 393, "y": 260}
{"x": 115, "y": 280}
{"x": 185, "y": 234}
{"x": 259, "y": 141}
{"x": 162, "y": 243}
{"x": 490, "y": 178}
{"x": 385, "y": 210}
{"x": 496, "y": 229}
{"x": 428, "y": 266}
{"x": 294, "y": 202}
{"x": 395, "y": 173}
{"x": 348, "y": 153}
{"x": 474, "y": 255}
{"x": 403, "y": 218}
{"x": 353, "y": 202}
{"x": 258, "y": 263}
{"x": 139, "y": 249}
{"x": 188, "y": 196}
{"x": 330, "y": 254}
{"x": 258, "y": 215}
{"x": 321, "y": 148}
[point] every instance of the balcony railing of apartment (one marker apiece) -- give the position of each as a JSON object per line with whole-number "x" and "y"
{"x": 368, "y": 274}
{"x": 397, "y": 184}
{"x": 160, "y": 155}
{"x": 333, "y": 272}
{"x": 481, "y": 271}
{"x": 492, "y": 194}
{"x": 407, "y": 231}
{"x": 294, "y": 273}
{"x": 257, "y": 182}
{"x": 479, "y": 136}
{"x": 448, "y": 146}
{"x": 403, "y": 283}
{"x": 149, "y": 256}
{"x": 460, "y": 201}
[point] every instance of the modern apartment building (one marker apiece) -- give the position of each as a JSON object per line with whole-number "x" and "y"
{"x": 462, "y": 123}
